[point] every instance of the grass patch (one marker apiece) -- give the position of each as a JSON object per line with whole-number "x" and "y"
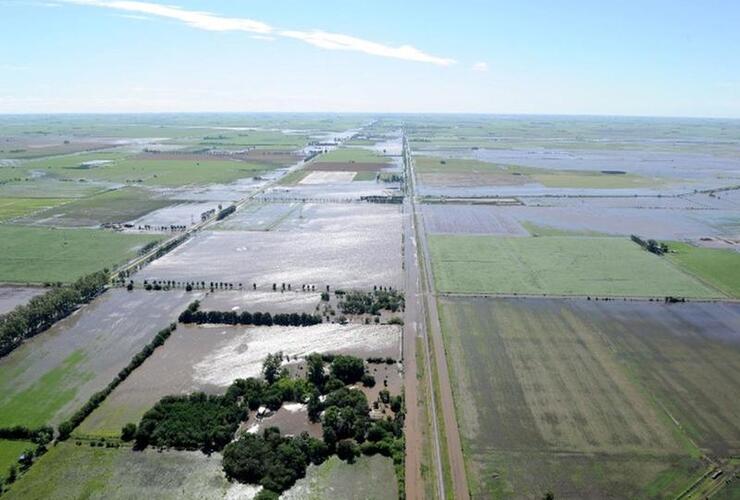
{"x": 365, "y": 176}
{"x": 718, "y": 267}
{"x": 9, "y": 453}
{"x": 10, "y": 208}
{"x": 37, "y": 255}
{"x": 293, "y": 177}
{"x": 556, "y": 265}
{"x": 34, "y": 406}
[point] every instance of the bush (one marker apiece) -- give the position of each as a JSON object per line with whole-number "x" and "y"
{"x": 348, "y": 450}
{"x": 368, "y": 380}
{"x": 128, "y": 432}
{"x": 348, "y": 369}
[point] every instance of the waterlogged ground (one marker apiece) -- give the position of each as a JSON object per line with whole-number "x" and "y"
{"x": 71, "y": 471}
{"x": 255, "y": 300}
{"x": 356, "y": 246}
{"x": 50, "y": 376}
{"x": 210, "y": 357}
{"x": 14, "y": 296}
{"x": 369, "y": 477}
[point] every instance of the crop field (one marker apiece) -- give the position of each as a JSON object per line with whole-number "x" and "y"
{"x": 38, "y": 255}
{"x": 718, "y": 267}
{"x": 340, "y": 246}
{"x": 208, "y": 358}
{"x": 70, "y": 471}
{"x": 369, "y": 477}
{"x": 110, "y": 207}
{"x": 50, "y": 376}
{"x": 351, "y": 155}
{"x": 13, "y": 296}
{"x": 580, "y": 397}
{"x": 556, "y": 265}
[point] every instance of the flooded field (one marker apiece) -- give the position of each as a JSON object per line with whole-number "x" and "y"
{"x": 255, "y": 300}
{"x": 542, "y": 385}
{"x": 70, "y": 471}
{"x": 370, "y": 477}
{"x": 14, "y": 296}
{"x": 586, "y": 217}
{"x": 340, "y": 246}
{"x": 184, "y": 214}
{"x": 210, "y": 357}
{"x": 50, "y": 376}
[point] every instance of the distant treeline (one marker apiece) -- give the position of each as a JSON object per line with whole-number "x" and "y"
{"x": 26, "y": 321}
{"x": 193, "y": 315}
{"x": 66, "y": 427}
{"x": 650, "y": 245}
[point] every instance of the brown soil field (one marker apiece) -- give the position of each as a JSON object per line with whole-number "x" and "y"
{"x": 346, "y": 166}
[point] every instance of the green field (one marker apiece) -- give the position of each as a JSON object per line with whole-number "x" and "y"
{"x": 498, "y": 174}
{"x": 579, "y": 397}
{"x": 9, "y": 453}
{"x": 365, "y": 176}
{"x": 347, "y": 155}
{"x": 556, "y": 265}
{"x": 110, "y": 207}
{"x": 37, "y": 255}
{"x": 10, "y": 208}
{"x": 718, "y": 267}
{"x": 71, "y": 471}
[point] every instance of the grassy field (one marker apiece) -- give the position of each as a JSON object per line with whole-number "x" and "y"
{"x": 356, "y": 155}
{"x": 511, "y": 175}
{"x": 574, "y": 396}
{"x": 11, "y": 208}
{"x": 110, "y": 207}
{"x": 9, "y": 453}
{"x": 556, "y": 265}
{"x": 720, "y": 268}
{"x": 36, "y": 254}
{"x": 71, "y": 471}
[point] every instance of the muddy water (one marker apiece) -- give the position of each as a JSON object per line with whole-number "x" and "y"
{"x": 14, "y": 296}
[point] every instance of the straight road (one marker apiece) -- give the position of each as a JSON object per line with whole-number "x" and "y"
{"x": 425, "y": 318}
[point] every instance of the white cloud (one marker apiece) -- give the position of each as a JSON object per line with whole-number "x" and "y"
{"x": 480, "y": 66}
{"x": 325, "y": 40}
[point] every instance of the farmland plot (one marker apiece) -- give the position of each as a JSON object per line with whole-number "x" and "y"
{"x": 50, "y": 376}
{"x": 575, "y": 395}
{"x": 556, "y": 265}
{"x": 210, "y": 357}
{"x": 470, "y": 219}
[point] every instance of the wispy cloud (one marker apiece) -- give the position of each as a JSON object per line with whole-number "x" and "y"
{"x": 318, "y": 38}
{"x": 480, "y": 66}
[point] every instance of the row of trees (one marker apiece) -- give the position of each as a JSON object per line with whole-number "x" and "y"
{"x": 66, "y": 427}
{"x": 26, "y": 321}
{"x": 193, "y": 315}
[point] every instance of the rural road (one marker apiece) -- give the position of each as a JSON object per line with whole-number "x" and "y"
{"x": 421, "y": 296}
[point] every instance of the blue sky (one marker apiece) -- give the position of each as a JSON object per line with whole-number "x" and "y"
{"x": 656, "y": 58}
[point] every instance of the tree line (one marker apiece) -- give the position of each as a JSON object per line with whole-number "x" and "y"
{"x": 380, "y": 299}
{"x": 194, "y": 315}
{"x": 26, "y": 321}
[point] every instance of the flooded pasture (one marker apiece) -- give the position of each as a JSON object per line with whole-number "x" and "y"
{"x": 50, "y": 376}
{"x": 210, "y": 357}
{"x": 14, "y": 296}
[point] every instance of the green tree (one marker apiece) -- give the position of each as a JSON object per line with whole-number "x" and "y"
{"x": 271, "y": 366}
{"x": 128, "y": 432}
